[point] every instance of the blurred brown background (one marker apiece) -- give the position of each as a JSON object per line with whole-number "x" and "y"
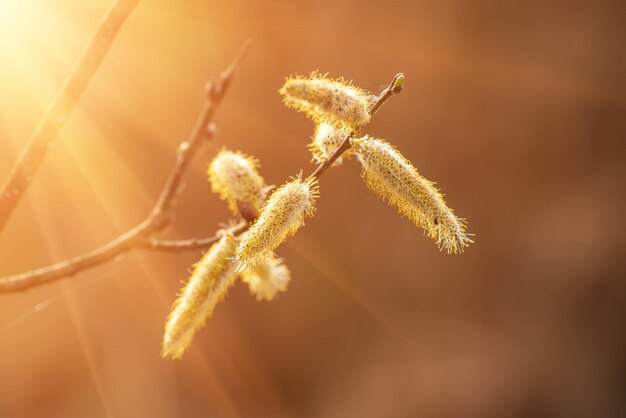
{"x": 516, "y": 109}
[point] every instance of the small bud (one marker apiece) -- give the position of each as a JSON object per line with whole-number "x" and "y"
{"x": 267, "y": 279}
{"x": 209, "y": 89}
{"x": 392, "y": 177}
{"x": 336, "y": 102}
{"x": 213, "y": 275}
{"x": 210, "y": 130}
{"x": 326, "y": 140}
{"x": 282, "y": 215}
{"x": 398, "y": 83}
{"x": 235, "y": 177}
{"x": 184, "y": 146}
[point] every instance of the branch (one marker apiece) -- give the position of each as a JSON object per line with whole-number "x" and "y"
{"x": 141, "y": 235}
{"x": 187, "y": 150}
{"x": 187, "y": 244}
{"x": 59, "y": 111}
{"x": 394, "y": 87}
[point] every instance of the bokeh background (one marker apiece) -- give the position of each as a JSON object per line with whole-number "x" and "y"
{"x": 516, "y": 109}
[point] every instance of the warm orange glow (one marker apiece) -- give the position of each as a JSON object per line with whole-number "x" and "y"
{"x": 30, "y": 32}
{"x": 14, "y": 14}
{"x": 515, "y": 108}
{"x": 25, "y": 25}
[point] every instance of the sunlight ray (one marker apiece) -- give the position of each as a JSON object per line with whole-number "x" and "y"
{"x": 256, "y": 373}
{"x": 79, "y": 327}
{"x": 353, "y": 294}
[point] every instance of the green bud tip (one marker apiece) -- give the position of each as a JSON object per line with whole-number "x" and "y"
{"x": 398, "y": 83}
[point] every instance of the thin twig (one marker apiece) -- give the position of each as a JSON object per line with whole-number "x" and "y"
{"x": 394, "y": 87}
{"x": 141, "y": 235}
{"x": 59, "y": 111}
{"x": 188, "y": 150}
{"x": 187, "y": 244}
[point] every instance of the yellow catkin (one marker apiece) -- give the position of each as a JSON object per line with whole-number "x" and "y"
{"x": 337, "y": 102}
{"x": 391, "y": 176}
{"x": 235, "y": 177}
{"x": 213, "y": 275}
{"x": 267, "y": 279}
{"x": 326, "y": 139}
{"x": 282, "y": 215}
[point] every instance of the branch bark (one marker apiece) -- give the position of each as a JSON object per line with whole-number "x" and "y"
{"x": 141, "y": 236}
{"x": 57, "y": 114}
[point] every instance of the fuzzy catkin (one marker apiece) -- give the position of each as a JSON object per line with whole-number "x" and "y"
{"x": 392, "y": 177}
{"x": 326, "y": 140}
{"x": 336, "y": 102}
{"x": 267, "y": 279}
{"x": 235, "y": 177}
{"x": 213, "y": 275}
{"x": 282, "y": 215}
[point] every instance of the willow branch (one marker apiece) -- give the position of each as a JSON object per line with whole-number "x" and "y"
{"x": 59, "y": 111}
{"x": 188, "y": 244}
{"x": 141, "y": 236}
{"x": 394, "y": 87}
{"x": 187, "y": 150}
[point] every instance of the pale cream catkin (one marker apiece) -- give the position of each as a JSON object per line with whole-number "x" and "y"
{"x": 322, "y": 99}
{"x": 267, "y": 279}
{"x": 234, "y": 175}
{"x": 392, "y": 177}
{"x": 326, "y": 140}
{"x": 212, "y": 276}
{"x": 282, "y": 215}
